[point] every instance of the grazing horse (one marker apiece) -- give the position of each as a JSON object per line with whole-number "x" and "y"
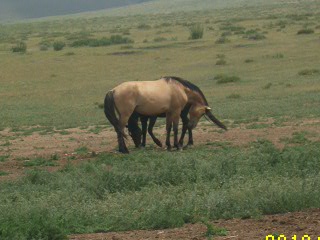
{"x": 167, "y": 95}
{"x": 135, "y": 131}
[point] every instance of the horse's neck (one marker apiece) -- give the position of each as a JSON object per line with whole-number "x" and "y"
{"x": 193, "y": 97}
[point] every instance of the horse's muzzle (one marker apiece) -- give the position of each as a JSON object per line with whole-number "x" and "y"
{"x": 192, "y": 125}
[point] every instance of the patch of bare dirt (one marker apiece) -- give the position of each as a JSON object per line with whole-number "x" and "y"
{"x": 64, "y": 145}
{"x": 289, "y": 224}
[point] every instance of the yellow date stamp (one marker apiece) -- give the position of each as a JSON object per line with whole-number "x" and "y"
{"x": 294, "y": 237}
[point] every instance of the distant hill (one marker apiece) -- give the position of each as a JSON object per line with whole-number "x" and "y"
{"x": 169, "y": 6}
{"x": 25, "y": 9}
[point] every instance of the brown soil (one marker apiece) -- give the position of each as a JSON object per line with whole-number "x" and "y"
{"x": 21, "y": 149}
{"x": 289, "y": 224}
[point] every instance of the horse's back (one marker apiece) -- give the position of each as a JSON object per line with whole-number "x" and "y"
{"x": 147, "y": 97}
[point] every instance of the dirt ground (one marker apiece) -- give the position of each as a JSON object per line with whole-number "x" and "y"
{"x": 17, "y": 149}
{"x": 289, "y": 224}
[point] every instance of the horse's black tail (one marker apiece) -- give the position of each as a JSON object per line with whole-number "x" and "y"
{"x": 215, "y": 120}
{"x": 110, "y": 112}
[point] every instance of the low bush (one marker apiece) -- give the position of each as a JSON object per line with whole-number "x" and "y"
{"x": 222, "y": 79}
{"x": 222, "y": 40}
{"x": 58, "y": 45}
{"x": 196, "y": 31}
{"x": 308, "y": 72}
{"x": 93, "y": 42}
{"x": 20, "y": 47}
{"x": 305, "y": 31}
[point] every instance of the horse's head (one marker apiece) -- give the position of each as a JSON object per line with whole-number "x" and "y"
{"x": 197, "y": 111}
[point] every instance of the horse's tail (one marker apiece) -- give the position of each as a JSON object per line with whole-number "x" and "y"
{"x": 110, "y": 112}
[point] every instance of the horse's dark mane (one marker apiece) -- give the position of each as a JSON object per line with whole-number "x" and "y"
{"x": 187, "y": 84}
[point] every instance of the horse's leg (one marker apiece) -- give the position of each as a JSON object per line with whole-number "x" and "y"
{"x": 122, "y": 145}
{"x": 190, "y": 142}
{"x": 168, "y": 128}
{"x": 175, "y": 132}
{"x": 134, "y": 130}
{"x": 122, "y": 123}
{"x": 150, "y": 131}
{"x": 144, "y": 123}
{"x": 185, "y": 121}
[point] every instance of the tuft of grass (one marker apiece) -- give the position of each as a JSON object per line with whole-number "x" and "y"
{"x": 223, "y": 79}
{"x": 93, "y": 42}
{"x": 222, "y": 40}
{"x": 160, "y": 39}
{"x": 20, "y": 47}
{"x": 213, "y": 231}
{"x": 305, "y": 31}
{"x": 2, "y": 173}
{"x": 221, "y": 62}
{"x": 308, "y": 72}
{"x": 267, "y": 86}
{"x": 82, "y": 150}
{"x": 297, "y": 138}
{"x": 196, "y": 31}
{"x": 58, "y": 45}
{"x": 4, "y": 158}
{"x": 248, "y": 60}
{"x": 39, "y": 162}
{"x": 234, "y": 96}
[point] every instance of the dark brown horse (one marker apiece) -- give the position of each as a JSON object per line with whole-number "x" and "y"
{"x": 168, "y": 95}
{"x": 148, "y": 122}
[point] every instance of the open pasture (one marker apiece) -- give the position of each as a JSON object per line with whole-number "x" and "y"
{"x": 258, "y": 66}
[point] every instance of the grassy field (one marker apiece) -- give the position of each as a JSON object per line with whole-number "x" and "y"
{"x": 259, "y": 45}
{"x": 253, "y": 63}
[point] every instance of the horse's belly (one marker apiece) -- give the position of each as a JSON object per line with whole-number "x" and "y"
{"x": 152, "y": 109}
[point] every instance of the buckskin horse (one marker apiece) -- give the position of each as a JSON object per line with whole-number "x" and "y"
{"x": 168, "y": 95}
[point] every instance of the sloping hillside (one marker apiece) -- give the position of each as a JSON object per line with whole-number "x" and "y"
{"x": 17, "y": 9}
{"x": 169, "y": 6}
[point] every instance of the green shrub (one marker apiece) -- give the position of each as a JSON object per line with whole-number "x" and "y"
{"x": 58, "y": 45}
{"x": 44, "y": 45}
{"x": 234, "y": 96}
{"x": 159, "y": 39}
{"x": 221, "y": 62}
{"x": 92, "y": 42}
{"x": 308, "y": 72}
{"x": 305, "y": 31}
{"x": 248, "y": 60}
{"x": 196, "y": 31}
{"x": 144, "y": 26}
{"x": 20, "y": 47}
{"x": 222, "y": 40}
{"x": 267, "y": 86}
{"x": 222, "y": 79}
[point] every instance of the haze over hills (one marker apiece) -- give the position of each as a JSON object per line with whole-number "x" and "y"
{"x": 25, "y": 9}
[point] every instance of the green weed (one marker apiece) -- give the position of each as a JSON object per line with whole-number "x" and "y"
{"x": 4, "y": 158}
{"x": 305, "y": 31}
{"x": 223, "y": 79}
{"x": 39, "y": 162}
{"x": 308, "y": 72}
{"x": 196, "y": 31}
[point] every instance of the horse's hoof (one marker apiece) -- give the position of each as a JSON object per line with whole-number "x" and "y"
{"x": 125, "y": 151}
{"x": 158, "y": 143}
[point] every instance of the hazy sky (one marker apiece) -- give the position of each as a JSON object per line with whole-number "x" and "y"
{"x": 20, "y": 9}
